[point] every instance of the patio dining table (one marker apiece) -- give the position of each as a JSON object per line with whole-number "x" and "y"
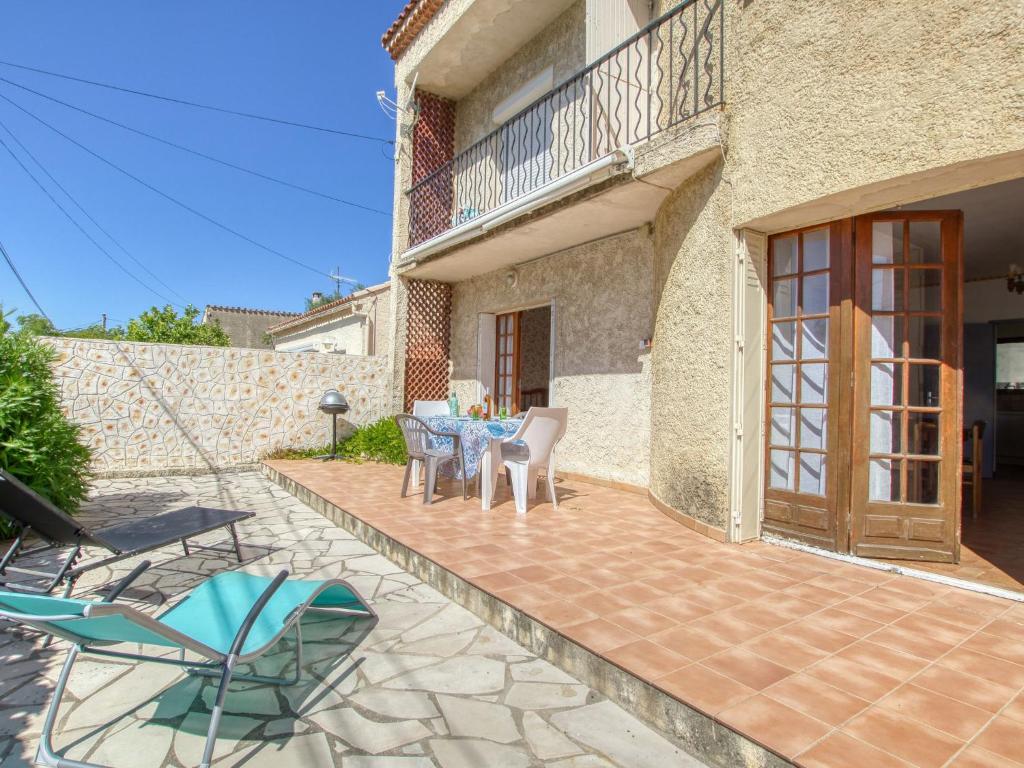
{"x": 481, "y": 446}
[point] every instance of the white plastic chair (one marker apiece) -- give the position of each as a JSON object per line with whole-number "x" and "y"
{"x": 424, "y": 409}
{"x": 533, "y": 447}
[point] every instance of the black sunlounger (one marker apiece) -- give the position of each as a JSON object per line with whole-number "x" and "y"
{"x": 31, "y": 513}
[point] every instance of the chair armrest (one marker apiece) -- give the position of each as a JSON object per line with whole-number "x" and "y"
{"x": 126, "y": 582}
{"x": 255, "y": 611}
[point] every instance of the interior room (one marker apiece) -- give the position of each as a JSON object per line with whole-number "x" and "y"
{"x": 992, "y": 543}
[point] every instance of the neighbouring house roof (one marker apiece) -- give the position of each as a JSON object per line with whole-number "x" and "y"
{"x": 247, "y": 311}
{"x": 243, "y": 325}
{"x": 326, "y": 311}
{"x": 410, "y": 21}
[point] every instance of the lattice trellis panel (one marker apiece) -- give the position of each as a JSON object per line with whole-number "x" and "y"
{"x": 433, "y": 146}
{"x": 428, "y": 338}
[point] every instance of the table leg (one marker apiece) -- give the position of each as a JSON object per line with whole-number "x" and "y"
{"x": 489, "y": 463}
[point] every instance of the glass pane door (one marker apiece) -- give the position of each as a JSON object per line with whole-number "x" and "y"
{"x": 906, "y": 406}
{"x": 804, "y": 296}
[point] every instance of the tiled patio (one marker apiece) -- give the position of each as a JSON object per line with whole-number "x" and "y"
{"x": 427, "y": 685}
{"x": 825, "y": 663}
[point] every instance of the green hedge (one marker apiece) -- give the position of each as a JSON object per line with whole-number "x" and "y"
{"x": 380, "y": 441}
{"x": 37, "y": 444}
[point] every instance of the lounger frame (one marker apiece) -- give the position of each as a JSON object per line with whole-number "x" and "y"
{"x": 217, "y": 664}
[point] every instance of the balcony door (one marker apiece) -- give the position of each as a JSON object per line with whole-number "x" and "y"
{"x": 863, "y": 391}
{"x": 506, "y": 362}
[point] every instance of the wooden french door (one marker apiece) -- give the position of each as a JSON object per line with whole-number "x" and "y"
{"x": 863, "y": 391}
{"x": 907, "y": 386}
{"x": 806, "y": 371}
{"x": 506, "y": 362}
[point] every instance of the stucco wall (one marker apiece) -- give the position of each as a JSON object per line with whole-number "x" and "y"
{"x": 345, "y": 335}
{"x": 166, "y": 406}
{"x": 690, "y": 397}
{"x": 828, "y": 95}
{"x": 562, "y": 46}
{"x": 602, "y": 302}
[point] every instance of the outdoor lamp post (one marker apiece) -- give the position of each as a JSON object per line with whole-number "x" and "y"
{"x": 333, "y": 403}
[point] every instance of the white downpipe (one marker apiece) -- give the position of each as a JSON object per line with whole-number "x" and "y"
{"x": 598, "y": 170}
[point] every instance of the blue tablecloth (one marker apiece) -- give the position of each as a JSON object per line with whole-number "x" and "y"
{"x": 475, "y": 434}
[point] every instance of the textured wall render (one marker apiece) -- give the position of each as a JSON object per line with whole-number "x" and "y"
{"x": 165, "y": 406}
{"x": 602, "y": 304}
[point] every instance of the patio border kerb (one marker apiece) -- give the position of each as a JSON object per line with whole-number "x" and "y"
{"x": 699, "y": 733}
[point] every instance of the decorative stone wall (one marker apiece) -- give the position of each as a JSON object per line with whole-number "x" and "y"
{"x": 172, "y": 407}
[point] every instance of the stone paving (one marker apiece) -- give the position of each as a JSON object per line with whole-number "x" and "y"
{"x": 426, "y": 684}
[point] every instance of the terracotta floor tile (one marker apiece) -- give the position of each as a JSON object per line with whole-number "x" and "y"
{"x": 840, "y": 750}
{"x": 524, "y": 596}
{"x": 814, "y": 594}
{"x": 1008, "y": 627}
{"x": 818, "y": 635}
{"x": 1005, "y": 737}
{"x": 774, "y": 725}
{"x": 711, "y": 598}
{"x": 853, "y": 678}
{"x": 973, "y": 663}
{"x": 679, "y": 608}
{"x": 922, "y": 646}
{"x": 601, "y": 602}
{"x": 641, "y": 620}
{"x": 976, "y": 757}
{"x": 560, "y": 613}
{"x": 748, "y": 668}
{"x": 907, "y": 739}
{"x": 599, "y": 635}
{"x": 847, "y": 623}
{"x": 841, "y": 584}
{"x": 495, "y": 581}
{"x": 567, "y": 586}
{"x": 1011, "y": 650}
{"x": 759, "y": 615}
{"x": 534, "y": 574}
{"x": 816, "y": 698}
{"x": 1015, "y": 709}
{"x": 940, "y": 712}
{"x": 704, "y": 689}
{"x": 780, "y": 648}
{"x": 728, "y": 628}
{"x": 601, "y": 578}
{"x": 935, "y": 628}
{"x": 883, "y": 659}
{"x": 637, "y": 593}
{"x": 967, "y": 688}
{"x": 647, "y": 660}
{"x": 690, "y": 643}
{"x": 863, "y": 606}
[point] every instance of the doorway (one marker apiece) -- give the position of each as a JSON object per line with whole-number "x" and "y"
{"x": 863, "y": 390}
{"x": 514, "y": 354}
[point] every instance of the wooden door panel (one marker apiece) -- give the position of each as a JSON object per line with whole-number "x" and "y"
{"x": 506, "y": 362}
{"x": 905, "y": 501}
{"x": 809, "y": 289}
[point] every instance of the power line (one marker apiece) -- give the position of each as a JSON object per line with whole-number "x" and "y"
{"x": 89, "y": 216}
{"x": 80, "y": 228}
{"x": 197, "y": 105}
{"x": 195, "y": 152}
{"x": 163, "y": 194}
{"x": 24, "y": 285}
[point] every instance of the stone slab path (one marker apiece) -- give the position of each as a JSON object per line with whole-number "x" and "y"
{"x": 426, "y": 685}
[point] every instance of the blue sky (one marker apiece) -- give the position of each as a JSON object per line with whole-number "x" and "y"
{"x": 317, "y": 62}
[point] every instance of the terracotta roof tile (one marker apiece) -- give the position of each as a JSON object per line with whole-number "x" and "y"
{"x": 249, "y": 311}
{"x": 301, "y": 318}
{"x": 410, "y": 21}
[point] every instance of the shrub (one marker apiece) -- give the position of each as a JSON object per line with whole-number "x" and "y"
{"x": 380, "y": 441}
{"x": 38, "y": 445}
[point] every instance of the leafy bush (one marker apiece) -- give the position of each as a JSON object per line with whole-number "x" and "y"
{"x": 37, "y": 444}
{"x": 380, "y": 441}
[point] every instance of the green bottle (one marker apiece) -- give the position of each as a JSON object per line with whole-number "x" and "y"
{"x": 453, "y": 404}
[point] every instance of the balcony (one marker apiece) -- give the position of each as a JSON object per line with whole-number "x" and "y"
{"x": 582, "y": 134}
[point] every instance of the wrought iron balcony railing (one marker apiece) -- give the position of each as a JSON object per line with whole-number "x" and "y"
{"x": 661, "y": 76}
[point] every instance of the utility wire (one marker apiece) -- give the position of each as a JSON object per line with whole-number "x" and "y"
{"x": 24, "y": 285}
{"x": 165, "y": 195}
{"x": 82, "y": 229}
{"x": 197, "y": 105}
{"x": 78, "y": 205}
{"x": 196, "y": 152}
